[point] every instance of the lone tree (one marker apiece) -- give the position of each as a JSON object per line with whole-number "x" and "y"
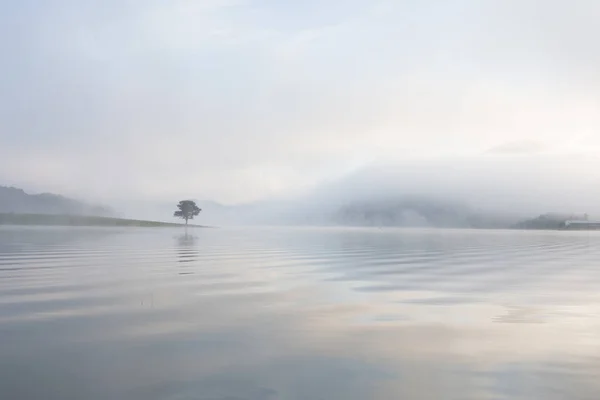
{"x": 187, "y": 210}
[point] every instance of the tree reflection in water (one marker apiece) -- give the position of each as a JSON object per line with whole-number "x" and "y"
{"x": 187, "y": 252}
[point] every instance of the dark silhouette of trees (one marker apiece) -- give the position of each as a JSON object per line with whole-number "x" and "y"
{"x": 187, "y": 210}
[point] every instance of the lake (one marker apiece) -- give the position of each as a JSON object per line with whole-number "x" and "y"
{"x": 299, "y": 314}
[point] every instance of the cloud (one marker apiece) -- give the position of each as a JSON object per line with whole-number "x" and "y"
{"x": 518, "y": 147}
{"x": 243, "y": 100}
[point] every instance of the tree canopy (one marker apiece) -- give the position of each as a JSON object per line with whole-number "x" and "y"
{"x": 187, "y": 209}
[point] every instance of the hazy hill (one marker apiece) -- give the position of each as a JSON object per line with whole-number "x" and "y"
{"x": 549, "y": 221}
{"x": 411, "y": 211}
{"x": 14, "y": 200}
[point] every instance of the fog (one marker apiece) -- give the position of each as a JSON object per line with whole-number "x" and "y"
{"x": 502, "y": 184}
{"x": 521, "y": 184}
{"x": 287, "y": 111}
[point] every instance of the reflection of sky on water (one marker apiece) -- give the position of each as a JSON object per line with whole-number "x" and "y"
{"x": 284, "y": 315}
{"x": 18, "y": 239}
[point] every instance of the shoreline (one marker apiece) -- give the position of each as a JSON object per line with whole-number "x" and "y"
{"x": 84, "y": 220}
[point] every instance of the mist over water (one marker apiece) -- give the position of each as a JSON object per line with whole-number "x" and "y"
{"x": 298, "y": 314}
{"x": 504, "y": 187}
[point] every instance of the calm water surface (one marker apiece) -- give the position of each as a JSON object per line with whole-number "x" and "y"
{"x": 299, "y": 314}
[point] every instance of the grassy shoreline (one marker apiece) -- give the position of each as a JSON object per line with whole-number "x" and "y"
{"x": 80, "y": 220}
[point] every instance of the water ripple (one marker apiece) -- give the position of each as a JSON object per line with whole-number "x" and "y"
{"x": 298, "y": 314}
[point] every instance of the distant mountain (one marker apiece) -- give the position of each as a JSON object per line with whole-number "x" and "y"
{"x": 14, "y": 200}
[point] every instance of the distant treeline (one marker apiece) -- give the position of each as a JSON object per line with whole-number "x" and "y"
{"x": 550, "y": 221}
{"x": 417, "y": 211}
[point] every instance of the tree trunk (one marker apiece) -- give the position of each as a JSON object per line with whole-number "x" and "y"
{"x": 186, "y": 220}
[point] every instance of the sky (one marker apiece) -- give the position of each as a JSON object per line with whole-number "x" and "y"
{"x": 237, "y": 101}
